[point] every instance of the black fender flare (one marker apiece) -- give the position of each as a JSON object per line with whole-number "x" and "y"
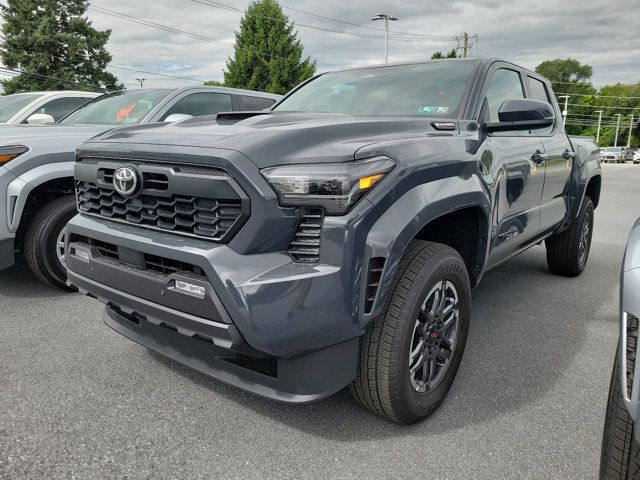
{"x": 401, "y": 222}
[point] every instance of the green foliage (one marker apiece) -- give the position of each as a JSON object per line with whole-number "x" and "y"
{"x": 268, "y": 53}
{"x": 570, "y": 77}
{"x": 439, "y": 55}
{"x": 55, "y": 46}
{"x": 214, "y": 83}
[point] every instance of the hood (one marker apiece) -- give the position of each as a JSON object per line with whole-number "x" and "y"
{"x": 32, "y": 135}
{"x": 277, "y": 138}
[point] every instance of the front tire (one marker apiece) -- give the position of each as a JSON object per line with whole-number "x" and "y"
{"x": 42, "y": 243}
{"x": 410, "y": 356}
{"x": 620, "y": 456}
{"x": 568, "y": 252}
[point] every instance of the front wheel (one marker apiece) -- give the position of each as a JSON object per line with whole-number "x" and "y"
{"x": 410, "y": 356}
{"x": 44, "y": 241}
{"x": 567, "y": 252}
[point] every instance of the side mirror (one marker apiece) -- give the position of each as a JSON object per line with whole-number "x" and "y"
{"x": 522, "y": 114}
{"x": 177, "y": 117}
{"x": 40, "y": 119}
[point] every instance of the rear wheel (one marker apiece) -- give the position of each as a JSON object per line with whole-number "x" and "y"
{"x": 568, "y": 252}
{"x": 620, "y": 457}
{"x": 44, "y": 241}
{"x": 410, "y": 356}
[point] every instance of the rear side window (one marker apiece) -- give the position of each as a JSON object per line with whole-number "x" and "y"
{"x": 505, "y": 85}
{"x": 59, "y": 107}
{"x": 538, "y": 90}
{"x": 202, "y": 103}
{"x": 254, "y": 103}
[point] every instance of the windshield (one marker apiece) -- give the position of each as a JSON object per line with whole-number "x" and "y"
{"x": 432, "y": 89}
{"x": 127, "y": 107}
{"x": 12, "y": 104}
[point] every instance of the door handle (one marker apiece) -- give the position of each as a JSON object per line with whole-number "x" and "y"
{"x": 539, "y": 157}
{"x": 568, "y": 155}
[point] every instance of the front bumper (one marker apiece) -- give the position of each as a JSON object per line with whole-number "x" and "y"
{"x": 6, "y": 236}
{"x": 266, "y": 324}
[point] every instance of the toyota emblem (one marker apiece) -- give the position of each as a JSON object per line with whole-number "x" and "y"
{"x": 125, "y": 181}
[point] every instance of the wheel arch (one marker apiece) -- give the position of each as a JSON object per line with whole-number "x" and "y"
{"x": 440, "y": 211}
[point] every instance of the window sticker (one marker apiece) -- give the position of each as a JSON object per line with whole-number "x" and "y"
{"x": 430, "y": 109}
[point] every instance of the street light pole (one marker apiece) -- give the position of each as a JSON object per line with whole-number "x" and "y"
{"x": 615, "y": 141}
{"x": 565, "y": 112}
{"x": 599, "y": 123}
{"x": 387, "y": 19}
{"x": 630, "y": 129}
{"x": 141, "y": 80}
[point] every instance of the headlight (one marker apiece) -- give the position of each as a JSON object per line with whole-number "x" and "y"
{"x": 336, "y": 187}
{"x": 9, "y": 153}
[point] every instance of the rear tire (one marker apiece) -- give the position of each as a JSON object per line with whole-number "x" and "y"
{"x": 410, "y": 356}
{"x": 41, "y": 242}
{"x": 568, "y": 252}
{"x": 620, "y": 456}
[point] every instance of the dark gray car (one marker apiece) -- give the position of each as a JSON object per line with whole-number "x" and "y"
{"x": 335, "y": 239}
{"x": 36, "y": 163}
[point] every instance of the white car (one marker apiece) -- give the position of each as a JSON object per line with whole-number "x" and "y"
{"x": 612, "y": 154}
{"x": 636, "y": 156}
{"x": 41, "y": 107}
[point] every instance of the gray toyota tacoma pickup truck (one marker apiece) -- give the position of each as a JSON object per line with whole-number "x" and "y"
{"x": 36, "y": 164}
{"x": 334, "y": 240}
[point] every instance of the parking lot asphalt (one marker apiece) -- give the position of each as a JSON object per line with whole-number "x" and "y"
{"x": 77, "y": 400}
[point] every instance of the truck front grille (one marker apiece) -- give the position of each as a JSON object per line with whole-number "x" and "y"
{"x": 152, "y": 263}
{"x": 203, "y": 217}
{"x": 201, "y": 202}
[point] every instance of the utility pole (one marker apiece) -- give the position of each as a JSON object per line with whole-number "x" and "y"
{"x": 599, "y": 123}
{"x": 615, "y": 141}
{"x": 630, "y": 129}
{"x": 466, "y": 45}
{"x": 565, "y": 112}
{"x": 387, "y": 19}
{"x": 141, "y": 80}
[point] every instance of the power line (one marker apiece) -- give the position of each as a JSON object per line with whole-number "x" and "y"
{"x": 448, "y": 37}
{"x": 595, "y": 95}
{"x": 141, "y": 21}
{"x": 16, "y": 71}
{"x": 589, "y": 84}
{"x": 603, "y": 106}
{"x": 156, "y": 73}
{"x": 230, "y": 8}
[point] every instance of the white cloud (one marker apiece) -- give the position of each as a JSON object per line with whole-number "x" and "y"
{"x": 600, "y": 33}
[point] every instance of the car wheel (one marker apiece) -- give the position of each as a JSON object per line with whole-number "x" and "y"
{"x": 620, "y": 456}
{"x": 44, "y": 241}
{"x": 568, "y": 252}
{"x": 410, "y": 356}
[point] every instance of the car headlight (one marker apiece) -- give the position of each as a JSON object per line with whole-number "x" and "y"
{"x": 336, "y": 187}
{"x": 9, "y": 153}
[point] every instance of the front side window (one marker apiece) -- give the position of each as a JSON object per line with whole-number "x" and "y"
{"x": 59, "y": 107}
{"x": 431, "y": 89}
{"x": 12, "y": 104}
{"x": 127, "y": 107}
{"x": 505, "y": 85}
{"x": 201, "y": 103}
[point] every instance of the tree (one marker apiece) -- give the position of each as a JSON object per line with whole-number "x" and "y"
{"x": 54, "y": 46}
{"x": 214, "y": 83}
{"x": 570, "y": 77}
{"x": 439, "y": 55}
{"x": 268, "y": 53}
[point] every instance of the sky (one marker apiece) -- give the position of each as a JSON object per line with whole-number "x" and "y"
{"x": 603, "y": 34}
